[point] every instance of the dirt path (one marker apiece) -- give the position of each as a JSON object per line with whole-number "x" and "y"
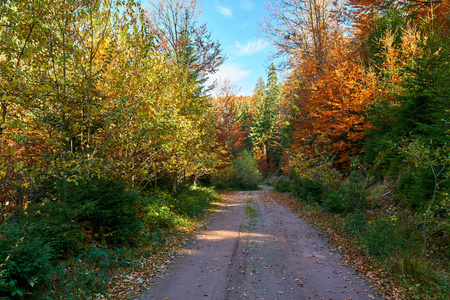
{"x": 255, "y": 250}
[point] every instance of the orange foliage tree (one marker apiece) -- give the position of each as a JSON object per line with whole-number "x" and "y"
{"x": 364, "y": 13}
{"x": 330, "y": 110}
{"x": 329, "y": 87}
{"x": 229, "y": 129}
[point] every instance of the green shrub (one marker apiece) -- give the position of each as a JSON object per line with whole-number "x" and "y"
{"x": 308, "y": 191}
{"x": 105, "y": 209}
{"x": 189, "y": 205}
{"x": 283, "y": 185}
{"x": 162, "y": 210}
{"x": 355, "y": 193}
{"x": 415, "y": 188}
{"x": 194, "y": 201}
{"x": 158, "y": 215}
{"x": 379, "y": 237}
{"x": 317, "y": 170}
{"x": 350, "y": 197}
{"x": 387, "y": 161}
{"x": 93, "y": 209}
{"x": 247, "y": 169}
{"x": 334, "y": 202}
{"x": 224, "y": 176}
{"x": 56, "y": 223}
{"x": 88, "y": 275}
{"x": 356, "y": 223}
{"x": 24, "y": 260}
{"x": 243, "y": 174}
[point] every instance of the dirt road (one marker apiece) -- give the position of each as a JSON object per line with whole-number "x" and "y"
{"x": 255, "y": 250}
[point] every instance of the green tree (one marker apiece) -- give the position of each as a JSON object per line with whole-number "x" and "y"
{"x": 415, "y": 93}
{"x": 264, "y": 131}
{"x": 437, "y": 159}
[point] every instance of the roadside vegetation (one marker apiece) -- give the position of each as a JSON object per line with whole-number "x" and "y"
{"x": 367, "y": 150}
{"x": 106, "y": 127}
{"x": 377, "y": 234}
{"x": 71, "y": 244}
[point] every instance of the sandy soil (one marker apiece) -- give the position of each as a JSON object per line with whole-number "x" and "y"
{"x": 255, "y": 250}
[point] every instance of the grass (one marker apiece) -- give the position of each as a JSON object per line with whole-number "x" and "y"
{"x": 251, "y": 214}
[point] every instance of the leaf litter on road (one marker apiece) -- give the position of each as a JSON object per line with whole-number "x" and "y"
{"x": 352, "y": 254}
{"x": 129, "y": 283}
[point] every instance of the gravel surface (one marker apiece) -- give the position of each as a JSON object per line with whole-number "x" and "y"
{"x": 258, "y": 250}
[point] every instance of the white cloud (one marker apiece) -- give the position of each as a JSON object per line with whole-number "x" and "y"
{"x": 231, "y": 71}
{"x": 247, "y": 5}
{"x": 225, "y": 11}
{"x": 250, "y": 48}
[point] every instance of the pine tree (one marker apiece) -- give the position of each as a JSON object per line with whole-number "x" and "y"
{"x": 273, "y": 97}
{"x": 187, "y": 55}
{"x": 263, "y": 131}
{"x": 272, "y": 94}
{"x": 257, "y": 129}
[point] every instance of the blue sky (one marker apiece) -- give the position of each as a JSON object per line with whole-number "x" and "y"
{"x": 235, "y": 24}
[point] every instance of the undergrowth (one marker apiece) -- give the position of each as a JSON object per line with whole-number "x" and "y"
{"x": 381, "y": 237}
{"x": 72, "y": 241}
{"x": 242, "y": 175}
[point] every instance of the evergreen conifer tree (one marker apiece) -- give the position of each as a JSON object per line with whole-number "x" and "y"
{"x": 263, "y": 131}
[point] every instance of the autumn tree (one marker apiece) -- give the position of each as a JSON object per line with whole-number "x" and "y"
{"x": 236, "y": 166}
{"x": 98, "y": 97}
{"x": 245, "y": 113}
{"x": 330, "y": 113}
{"x": 230, "y": 135}
{"x": 60, "y": 63}
{"x": 329, "y": 87}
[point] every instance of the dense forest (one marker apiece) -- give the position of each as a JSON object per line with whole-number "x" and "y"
{"x": 110, "y": 137}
